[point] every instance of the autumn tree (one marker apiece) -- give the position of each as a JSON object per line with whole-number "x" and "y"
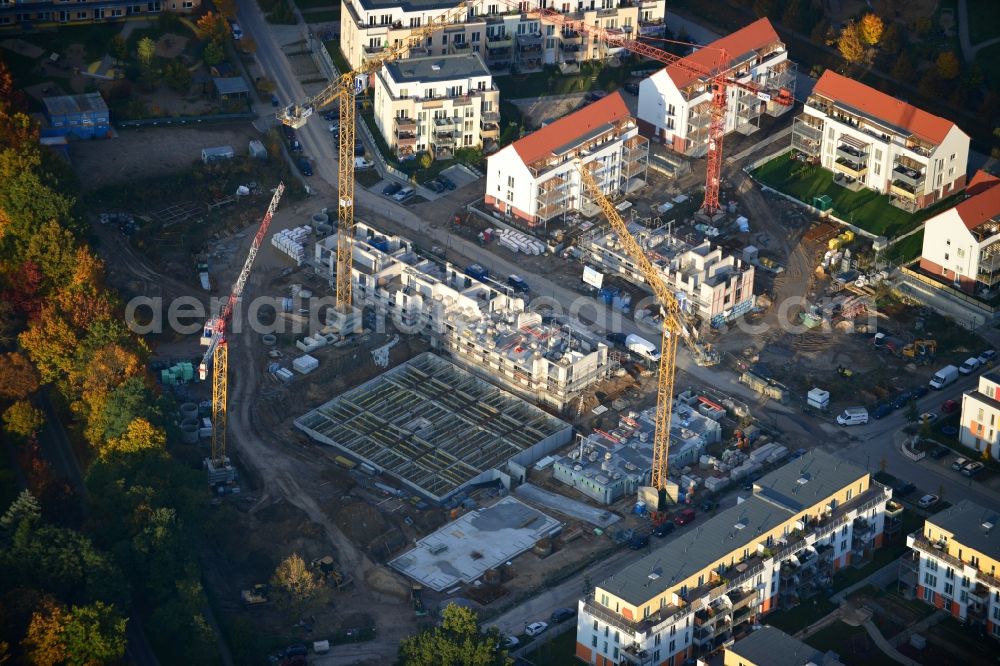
{"x": 18, "y": 377}
{"x": 212, "y": 27}
{"x": 295, "y": 584}
{"x": 426, "y": 160}
{"x": 44, "y": 642}
{"x": 458, "y": 641}
{"x": 81, "y": 636}
{"x": 851, "y": 48}
{"x": 140, "y": 435}
{"x": 947, "y": 66}
{"x": 146, "y": 50}
{"x": 248, "y": 45}
{"x": 119, "y": 48}
{"x": 213, "y": 54}
{"x": 870, "y": 29}
{"x": 23, "y": 419}
{"x": 227, "y": 8}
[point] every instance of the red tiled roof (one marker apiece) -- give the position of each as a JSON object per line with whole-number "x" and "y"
{"x": 757, "y": 35}
{"x": 545, "y": 141}
{"x": 882, "y": 107}
{"x": 984, "y": 204}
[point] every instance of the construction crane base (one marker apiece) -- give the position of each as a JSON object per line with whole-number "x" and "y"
{"x": 659, "y": 500}
{"x": 345, "y": 322}
{"x": 220, "y": 472}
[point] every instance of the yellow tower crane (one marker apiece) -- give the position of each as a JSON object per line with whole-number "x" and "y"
{"x": 345, "y": 88}
{"x": 673, "y": 330}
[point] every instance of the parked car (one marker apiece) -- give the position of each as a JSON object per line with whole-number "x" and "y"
{"x": 446, "y": 181}
{"x": 927, "y": 501}
{"x": 334, "y": 127}
{"x": 519, "y": 285}
{"x": 391, "y": 189}
{"x": 920, "y": 391}
{"x": 973, "y": 468}
{"x": 275, "y": 102}
{"x": 684, "y": 517}
{"x": 403, "y": 194}
{"x": 959, "y": 463}
{"x": 882, "y": 410}
{"x": 632, "y": 88}
{"x": 305, "y": 167}
{"x": 616, "y": 338}
{"x": 970, "y": 365}
{"x": 359, "y": 149}
{"x": 536, "y": 628}
{"x": 639, "y": 542}
{"x": 708, "y": 506}
{"x": 928, "y": 417}
{"x": 905, "y": 489}
{"x": 295, "y": 146}
{"x": 434, "y": 186}
{"x": 949, "y": 406}
{"x": 561, "y": 615}
{"x": 939, "y": 452}
{"x": 362, "y": 163}
{"x": 511, "y": 642}
{"x": 987, "y": 358}
{"x": 663, "y": 529}
{"x": 900, "y": 400}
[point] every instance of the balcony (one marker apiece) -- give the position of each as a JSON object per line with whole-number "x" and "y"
{"x": 406, "y": 139}
{"x": 406, "y": 124}
{"x": 904, "y": 190}
{"x": 852, "y": 154}
{"x": 570, "y": 38}
{"x": 443, "y": 139}
{"x": 489, "y": 130}
{"x": 849, "y": 168}
{"x": 490, "y": 117}
{"x": 912, "y": 177}
{"x": 499, "y": 41}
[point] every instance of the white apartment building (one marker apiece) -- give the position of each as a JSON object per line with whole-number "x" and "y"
{"x": 480, "y": 324}
{"x": 869, "y": 139}
{"x": 954, "y": 564}
{"x": 979, "y": 428}
{"x": 675, "y": 103}
{"x": 714, "y": 286}
{"x": 537, "y": 177}
{"x": 508, "y": 38}
{"x": 962, "y": 244}
{"x": 437, "y": 104}
{"x": 776, "y": 548}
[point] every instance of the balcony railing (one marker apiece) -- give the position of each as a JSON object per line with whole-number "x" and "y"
{"x": 850, "y": 168}
{"x": 912, "y": 177}
{"x": 901, "y": 189}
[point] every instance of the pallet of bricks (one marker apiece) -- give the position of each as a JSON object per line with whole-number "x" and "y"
{"x": 293, "y": 242}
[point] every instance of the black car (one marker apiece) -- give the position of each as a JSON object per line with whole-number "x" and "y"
{"x": 882, "y": 410}
{"x": 617, "y": 338}
{"x": 639, "y": 542}
{"x": 939, "y": 452}
{"x": 900, "y": 400}
{"x": 391, "y": 189}
{"x": 295, "y": 146}
{"x": 663, "y": 529}
{"x": 919, "y": 392}
{"x": 305, "y": 167}
{"x": 905, "y": 489}
{"x": 561, "y": 615}
{"x": 444, "y": 180}
{"x": 707, "y": 506}
{"x": 434, "y": 186}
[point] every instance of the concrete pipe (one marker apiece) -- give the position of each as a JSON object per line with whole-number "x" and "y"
{"x": 269, "y": 339}
{"x": 189, "y": 433}
{"x": 324, "y": 229}
{"x": 189, "y": 410}
{"x": 320, "y": 218}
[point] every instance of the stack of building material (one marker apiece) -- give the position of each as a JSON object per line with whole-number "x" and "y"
{"x": 714, "y": 483}
{"x": 180, "y": 373}
{"x": 305, "y": 364}
{"x": 516, "y": 241}
{"x": 311, "y": 343}
{"x": 292, "y": 242}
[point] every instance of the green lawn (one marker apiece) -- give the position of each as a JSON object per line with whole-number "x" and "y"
{"x": 984, "y": 20}
{"x": 560, "y": 651}
{"x": 853, "y": 644}
{"x": 330, "y": 16}
{"x": 866, "y": 208}
{"x": 907, "y": 249}
{"x": 550, "y": 81}
{"x": 795, "y": 619}
{"x": 887, "y": 554}
{"x": 333, "y": 48}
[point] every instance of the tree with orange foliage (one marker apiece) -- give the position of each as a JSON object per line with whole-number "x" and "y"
{"x": 44, "y": 642}
{"x": 18, "y": 378}
{"x": 870, "y": 29}
{"x": 212, "y": 27}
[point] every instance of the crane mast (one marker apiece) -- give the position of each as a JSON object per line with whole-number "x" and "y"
{"x": 347, "y": 86}
{"x": 672, "y": 331}
{"x": 217, "y": 353}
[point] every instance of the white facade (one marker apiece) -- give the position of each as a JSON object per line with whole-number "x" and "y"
{"x": 714, "y": 286}
{"x": 869, "y": 139}
{"x": 979, "y": 428}
{"x": 962, "y": 244}
{"x": 437, "y": 104}
{"x": 675, "y": 105}
{"x": 483, "y": 328}
{"x": 505, "y": 35}
{"x": 537, "y": 177}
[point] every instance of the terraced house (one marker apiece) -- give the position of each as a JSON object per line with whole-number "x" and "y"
{"x": 955, "y": 564}
{"x": 675, "y": 103}
{"x": 501, "y": 31}
{"x": 437, "y": 104}
{"x": 871, "y": 140}
{"x": 778, "y": 546}
{"x": 15, "y": 13}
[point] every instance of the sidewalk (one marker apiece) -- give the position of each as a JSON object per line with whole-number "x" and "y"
{"x": 878, "y": 578}
{"x": 885, "y": 646}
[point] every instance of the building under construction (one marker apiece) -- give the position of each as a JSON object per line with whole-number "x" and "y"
{"x": 480, "y": 321}
{"x": 436, "y": 428}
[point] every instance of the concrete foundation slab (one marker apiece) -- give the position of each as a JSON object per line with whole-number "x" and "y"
{"x": 566, "y": 506}
{"x": 462, "y": 550}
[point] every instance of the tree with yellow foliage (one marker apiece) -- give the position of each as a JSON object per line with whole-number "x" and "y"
{"x": 140, "y": 435}
{"x": 870, "y": 29}
{"x": 851, "y": 48}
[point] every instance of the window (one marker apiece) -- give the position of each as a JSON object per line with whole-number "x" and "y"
{"x": 672, "y": 647}
{"x": 510, "y": 181}
{"x": 475, "y": 37}
{"x": 878, "y": 154}
{"x": 617, "y": 636}
{"x": 951, "y": 158}
{"x": 878, "y": 169}
{"x": 961, "y": 252}
{"x": 949, "y": 589}
{"x": 932, "y": 565}
{"x": 595, "y": 625}
{"x": 656, "y": 638}
{"x": 928, "y": 594}
{"x": 949, "y": 573}
{"x": 593, "y": 641}
{"x": 946, "y": 256}
{"x": 670, "y": 110}
{"x": 670, "y": 124}
{"x": 415, "y": 22}
{"x": 849, "y": 493}
{"x": 929, "y": 580}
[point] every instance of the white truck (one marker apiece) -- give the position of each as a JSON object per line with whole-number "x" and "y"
{"x": 943, "y": 377}
{"x": 853, "y": 416}
{"x": 642, "y": 347}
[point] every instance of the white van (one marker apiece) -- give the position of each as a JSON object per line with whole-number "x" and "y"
{"x": 642, "y": 347}
{"x": 853, "y": 416}
{"x": 943, "y": 377}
